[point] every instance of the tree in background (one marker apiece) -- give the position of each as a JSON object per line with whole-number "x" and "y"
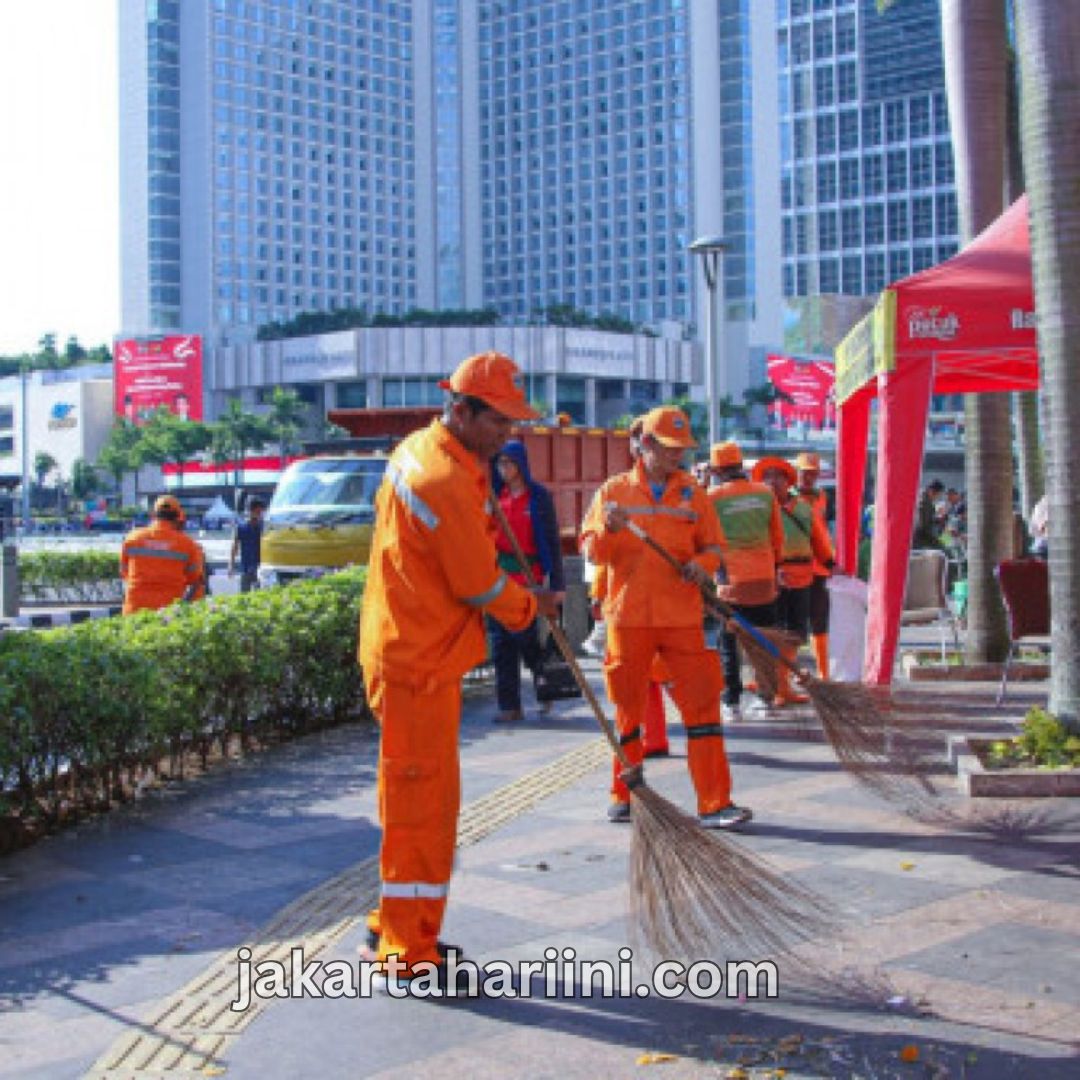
{"x": 119, "y": 455}
{"x": 286, "y": 419}
{"x": 1048, "y": 40}
{"x": 168, "y": 440}
{"x": 84, "y": 480}
{"x": 44, "y": 463}
{"x": 233, "y": 434}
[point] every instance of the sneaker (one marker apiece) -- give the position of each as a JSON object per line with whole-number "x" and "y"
{"x": 596, "y": 643}
{"x": 508, "y": 716}
{"x": 618, "y": 813}
{"x": 730, "y": 817}
{"x": 730, "y": 714}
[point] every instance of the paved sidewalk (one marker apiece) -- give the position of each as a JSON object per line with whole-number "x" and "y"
{"x": 118, "y": 940}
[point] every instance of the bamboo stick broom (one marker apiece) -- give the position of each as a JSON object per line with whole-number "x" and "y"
{"x": 869, "y": 744}
{"x": 694, "y": 894}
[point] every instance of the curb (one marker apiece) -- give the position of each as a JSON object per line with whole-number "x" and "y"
{"x": 48, "y": 620}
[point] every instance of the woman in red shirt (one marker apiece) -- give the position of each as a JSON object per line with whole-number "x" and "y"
{"x": 530, "y": 510}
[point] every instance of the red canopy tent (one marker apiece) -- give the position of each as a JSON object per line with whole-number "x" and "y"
{"x": 966, "y": 326}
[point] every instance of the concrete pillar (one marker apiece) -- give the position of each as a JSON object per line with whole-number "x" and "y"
{"x": 9, "y": 581}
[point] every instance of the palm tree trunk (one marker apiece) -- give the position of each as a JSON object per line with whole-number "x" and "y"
{"x": 973, "y": 40}
{"x": 1048, "y": 33}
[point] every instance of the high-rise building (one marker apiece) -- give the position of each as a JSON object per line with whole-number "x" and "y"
{"x": 867, "y": 171}
{"x": 288, "y": 155}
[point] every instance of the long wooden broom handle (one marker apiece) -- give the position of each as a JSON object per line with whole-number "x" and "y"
{"x": 563, "y": 645}
{"x": 716, "y": 604}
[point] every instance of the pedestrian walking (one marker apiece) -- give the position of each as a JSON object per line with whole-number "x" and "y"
{"x": 752, "y": 541}
{"x": 530, "y": 511}
{"x": 805, "y": 539}
{"x": 159, "y": 562}
{"x": 247, "y": 543}
{"x": 432, "y": 575}
{"x": 807, "y": 471}
{"x": 650, "y": 610}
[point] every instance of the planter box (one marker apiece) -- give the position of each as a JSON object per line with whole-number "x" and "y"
{"x": 978, "y": 781}
{"x": 938, "y": 672}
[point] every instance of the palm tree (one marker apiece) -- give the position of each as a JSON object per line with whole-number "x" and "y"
{"x": 235, "y": 432}
{"x": 84, "y": 479}
{"x": 44, "y": 463}
{"x": 286, "y": 419}
{"x": 976, "y": 74}
{"x": 1048, "y": 37}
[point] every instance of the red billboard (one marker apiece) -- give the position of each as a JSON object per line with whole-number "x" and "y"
{"x": 811, "y": 386}
{"x": 149, "y": 373}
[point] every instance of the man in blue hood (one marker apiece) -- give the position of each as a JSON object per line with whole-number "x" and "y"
{"x": 530, "y": 511}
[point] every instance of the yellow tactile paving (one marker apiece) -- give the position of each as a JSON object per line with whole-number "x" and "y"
{"x": 190, "y": 1032}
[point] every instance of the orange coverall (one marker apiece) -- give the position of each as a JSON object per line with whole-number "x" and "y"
{"x": 158, "y": 563}
{"x": 651, "y": 610}
{"x": 431, "y": 577}
{"x": 656, "y": 737}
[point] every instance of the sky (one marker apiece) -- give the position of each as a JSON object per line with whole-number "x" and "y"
{"x": 59, "y": 214}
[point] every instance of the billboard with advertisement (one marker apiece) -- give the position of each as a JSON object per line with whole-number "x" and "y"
{"x": 149, "y": 373}
{"x": 810, "y": 385}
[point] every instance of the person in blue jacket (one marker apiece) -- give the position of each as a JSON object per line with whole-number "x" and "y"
{"x": 530, "y": 511}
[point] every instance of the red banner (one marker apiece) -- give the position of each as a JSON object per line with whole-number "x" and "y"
{"x": 810, "y": 385}
{"x": 151, "y": 373}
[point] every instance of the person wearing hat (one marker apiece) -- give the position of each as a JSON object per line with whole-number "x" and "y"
{"x": 651, "y": 610}
{"x": 807, "y": 470}
{"x": 752, "y": 539}
{"x": 805, "y": 539}
{"x": 159, "y": 562}
{"x": 432, "y": 576}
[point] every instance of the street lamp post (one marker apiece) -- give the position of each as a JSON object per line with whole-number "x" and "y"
{"x": 25, "y": 451}
{"x": 711, "y": 249}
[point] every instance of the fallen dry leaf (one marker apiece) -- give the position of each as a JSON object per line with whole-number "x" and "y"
{"x": 736, "y": 1074}
{"x": 909, "y": 1053}
{"x": 907, "y": 866}
{"x": 655, "y": 1059}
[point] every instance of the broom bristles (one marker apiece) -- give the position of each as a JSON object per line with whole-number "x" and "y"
{"x": 870, "y": 744}
{"x": 695, "y": 895}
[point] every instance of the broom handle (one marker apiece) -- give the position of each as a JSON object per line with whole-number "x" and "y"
{"x": 713, "y": 601}
{"x": 562, "y": 643}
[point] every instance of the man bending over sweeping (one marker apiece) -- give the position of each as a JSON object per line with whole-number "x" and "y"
{"x": 433, "y": 573}
{"x": 650, "y": 610}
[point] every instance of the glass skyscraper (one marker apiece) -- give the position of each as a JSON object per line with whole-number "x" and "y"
{"x": 867, "y": 171}
{"x": 289, "y": 155}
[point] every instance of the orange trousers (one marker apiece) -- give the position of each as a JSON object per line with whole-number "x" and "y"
{"x": 419, "y": 785}
{"x": 696, "y": 683}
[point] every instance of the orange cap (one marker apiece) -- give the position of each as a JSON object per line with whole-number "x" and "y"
{"x": 170, "y": 505}
{"x": 725, "y": 455}
{"x": 496, "y": 380}
{"x": 808, "y": 461}
{"x": 766, "y": 463}
{"x": 669, "y": 426}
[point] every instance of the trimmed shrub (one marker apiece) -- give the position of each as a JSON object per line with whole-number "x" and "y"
{"x": 87, "y": 712}
{"x": 70, "y": 576}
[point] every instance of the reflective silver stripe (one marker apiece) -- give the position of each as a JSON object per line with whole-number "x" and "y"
{"x": 413, "y": 890}
{"x": 157, "y": 553}
{"x": 667, "y": 511}
{"x": 715, "y": 549}
{"x": 416, "y": 505}
{"x": 486, "y": 597}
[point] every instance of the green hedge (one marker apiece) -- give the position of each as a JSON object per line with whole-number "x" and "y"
{"x": 86, "y": 711}
{"x": 70, "y": 576}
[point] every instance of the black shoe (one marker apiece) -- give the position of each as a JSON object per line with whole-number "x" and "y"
{"x": 435, "y": 982}
{"x": 618, "y": 813}
{"x": 508, "y": 716}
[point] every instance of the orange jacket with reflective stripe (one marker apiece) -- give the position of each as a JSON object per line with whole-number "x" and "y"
{"x": 641, "y": 588}
{"x": 818, "y": 502}
{"x": 433, "y": 570}
{"x": 752, "y": 539}
{"x": 158, "y": 562}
